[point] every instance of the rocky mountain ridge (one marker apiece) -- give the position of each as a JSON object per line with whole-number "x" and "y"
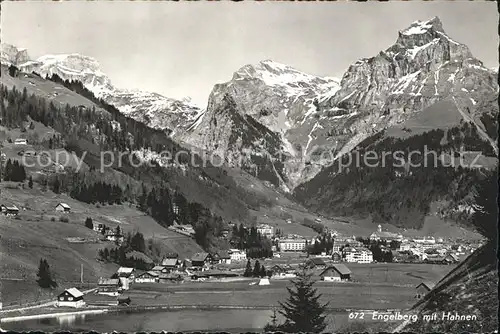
{"x": 319, "y": 120}
{"x": 153, "y": 109}
{"x": 302, "y": 123}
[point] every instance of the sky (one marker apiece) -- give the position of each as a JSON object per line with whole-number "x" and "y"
{"x": 181, "y": 49}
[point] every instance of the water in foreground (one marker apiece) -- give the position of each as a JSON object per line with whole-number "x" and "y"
{"x": 178, "y": 320}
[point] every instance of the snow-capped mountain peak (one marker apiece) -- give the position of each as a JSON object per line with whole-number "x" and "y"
{"x": 421, "y": 27}
{"x": 151, "y": 108}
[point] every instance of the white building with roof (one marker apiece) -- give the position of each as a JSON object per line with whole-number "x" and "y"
{"x": 70, "y": 298}
{"x": 292, "y": 245}
{"x": 63, "y": 207}
{"x": 357, "y": 255}
{"x": 265, "y": 230}
{"x": 237, "y": 255}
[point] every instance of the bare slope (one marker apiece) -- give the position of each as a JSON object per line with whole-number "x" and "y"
{"x": 469, "y": 289}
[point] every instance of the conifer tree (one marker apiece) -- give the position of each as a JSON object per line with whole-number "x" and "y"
{"x": 256, "y": 269}
{"x": 303, "y": 311}
{"x": 45, "y": 279}
{"x": 88, "y": 223}
{"x": 248, "y": 270}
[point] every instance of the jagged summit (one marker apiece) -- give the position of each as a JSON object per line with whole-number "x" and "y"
{"x": 10, "y": 54}
{"x": 274, "y": 73}
{"x": 151, "y": 108}
{"x": 421, "y": 27}
{"x": 427, "y": 33}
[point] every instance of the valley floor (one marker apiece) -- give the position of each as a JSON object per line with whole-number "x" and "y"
{"x": 374, "y": 287}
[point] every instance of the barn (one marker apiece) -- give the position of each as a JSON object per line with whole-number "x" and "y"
{"x": 337, "y": 272}
{"x": 108, "y": 286}
{"x": 148, "y": 277}
{"x": 423, "y": 288}
{"x": 71, "y": 298}
{"x": 9, "y": 210}
{"x": 63, "y": 207}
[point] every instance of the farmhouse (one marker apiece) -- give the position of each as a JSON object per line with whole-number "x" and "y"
{"x": 63, "y": 207}
{"x": 125, "y": 272}
{"x": 214, "y": 274}
{"x": 158, "y": 269}
{"x": 315, "y": 263}
{"x": 108, "y": 286}
{"x": 201, "y": 259}
{"x": 148, "y": 277}
{"x": 126, "y": 276}
{"x": 170, "y": 264}
{"x": 98, "y": 227}
{"x": 285, "y": 271}
{"x": 20, "y": 141}
{"x": 165, "y": 278}
{"x": 450, "y": 259}
{"x": 70, "y": 298}
{"x": 223, "y": 257}
{"x": 423, "y": 288}
{"x": 113, "y": 236}
{"x": 9, "y": 210}
{"x": 336, "y": 272}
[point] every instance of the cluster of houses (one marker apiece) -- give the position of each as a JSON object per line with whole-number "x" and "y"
{"x": 12, "y": 210}
{"x": 173, "y": 269}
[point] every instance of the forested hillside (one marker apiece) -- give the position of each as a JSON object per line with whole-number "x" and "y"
{"x": 206, "y": 196}
{"x": 400, "y": 187}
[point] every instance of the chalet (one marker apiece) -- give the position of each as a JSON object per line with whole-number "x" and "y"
{"x": 217, "y": 274}
{"x": 20, "y": 141}
{"x": 125, "y": 272}
{"x": 9, "y": 210}
{"x": 201, "y": 259}
{"x": 158, "y": 269}
{"x": 423, "y": 288}
{"x": 315, "y": 263}
{"x": 70, "y": 298}
{"x": 113, "y": 236}
{"x": 168, "y": 278}
{"x": 98, "y": 227}
{"x": 285, "y": 271}
{"x": 148, "y": 277}
{"x": 336, "y": 272}
{"x": 171, "y": 264}
{"x": 63, "y": 207}
{"x": 126, "y": 276}
{"x": 223, "y": 257}
{"x": 336, "y": 257}
{"x": 451, "y": 259}
{"x": 108, "y": 286}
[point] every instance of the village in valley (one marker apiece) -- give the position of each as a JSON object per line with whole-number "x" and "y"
{"x": 330, "y": 257}
{"x": 204, "y": 184}
{"x": 253, "y": 263}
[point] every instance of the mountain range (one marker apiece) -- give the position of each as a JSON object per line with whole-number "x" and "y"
{"x": 287, "y": 127}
